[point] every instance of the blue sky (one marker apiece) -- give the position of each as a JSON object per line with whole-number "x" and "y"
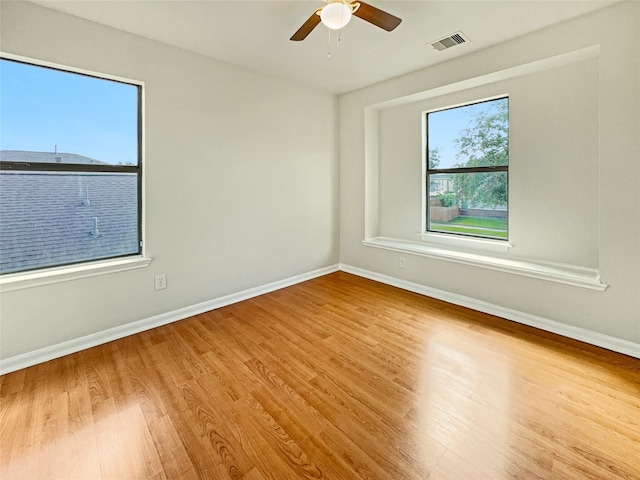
{"x": 41, "y": 107}
{"x": 447, "y": 125}
{"x": 444, "y": 127}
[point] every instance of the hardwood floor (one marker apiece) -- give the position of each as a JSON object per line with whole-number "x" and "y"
{"x": 335, "y": 378}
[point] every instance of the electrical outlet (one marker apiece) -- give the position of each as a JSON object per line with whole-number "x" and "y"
{"x": 161, "y": 281}
{"x": 401, "y": 262}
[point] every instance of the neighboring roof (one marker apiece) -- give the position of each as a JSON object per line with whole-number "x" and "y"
{"x": 46, "y": 157}
{"x": 45, "y": 219}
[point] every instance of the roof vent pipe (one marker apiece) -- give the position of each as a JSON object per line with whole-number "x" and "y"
{"x": 56, "y": 157}
{"x": 86, "y": 202}
{"x": 94, "y": 231}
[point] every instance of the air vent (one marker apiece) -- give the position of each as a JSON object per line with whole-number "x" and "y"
{"x": 450, "y": 41}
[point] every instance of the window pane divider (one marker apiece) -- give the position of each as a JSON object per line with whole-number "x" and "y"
{"x": 67, "y": 167}
{"x": 492, "y": 168}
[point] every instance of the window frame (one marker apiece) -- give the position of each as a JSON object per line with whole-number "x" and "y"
{"x": 87, "y": 267}
{"x": 428, "y": 171}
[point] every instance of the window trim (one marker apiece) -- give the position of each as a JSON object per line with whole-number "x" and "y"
{"x": 81, "y": 269}
{"x": 428, "y": 234}
{"x": 583, "y": 277}
{"x": 47, "y": 276}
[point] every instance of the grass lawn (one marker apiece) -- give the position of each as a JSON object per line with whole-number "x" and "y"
{"x": 485, "y": 227}
{"x": 481, "y": 222}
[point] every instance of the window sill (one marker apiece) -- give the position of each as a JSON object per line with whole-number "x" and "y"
{"x": 18, "y": 281}
{"x": 560, "y": 273}
{"x": 458, "y": 241}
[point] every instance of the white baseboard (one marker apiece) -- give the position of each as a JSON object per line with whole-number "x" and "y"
{"x": 35, "y": 357}
{"x": 588, "y": 336}
{"x": 41, "y": 355}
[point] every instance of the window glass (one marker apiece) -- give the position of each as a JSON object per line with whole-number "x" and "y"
{"x": 453, "y": 210}
{"x": 51, "y": 219}
{"x": 467, "y": 170}
{"x": 57, "y": 116}
{"x": 70, "y": 169}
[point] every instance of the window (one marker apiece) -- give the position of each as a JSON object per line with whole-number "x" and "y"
{"x": 467, "y": 162}
{"x": 70, "y": 167}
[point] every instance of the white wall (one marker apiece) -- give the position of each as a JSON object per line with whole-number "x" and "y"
{"x": 578, "y": 119}
{"x": 241, "y": 181}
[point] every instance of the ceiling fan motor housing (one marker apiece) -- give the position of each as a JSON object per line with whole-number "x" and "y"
{"x": 336, "y": 15}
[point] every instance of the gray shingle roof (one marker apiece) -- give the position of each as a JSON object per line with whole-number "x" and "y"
{"x": 46, "y": 157}
{"x": 45, "y": 219}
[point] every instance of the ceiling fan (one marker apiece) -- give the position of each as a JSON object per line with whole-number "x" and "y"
{"x": 337, "y": 13}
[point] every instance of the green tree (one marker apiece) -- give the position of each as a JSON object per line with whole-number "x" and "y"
{"x": 434, "y": 161}
{"x": 448, "y": 198}
{"x": 434, "y": 158}
{"x": 484, "y": 143}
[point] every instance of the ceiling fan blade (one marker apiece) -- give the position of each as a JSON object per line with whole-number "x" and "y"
{"x": 311, "y": 23}
{"x": 377, "y": 17}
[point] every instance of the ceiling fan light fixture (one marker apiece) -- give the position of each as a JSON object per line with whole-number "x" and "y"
{"x": 335, "y": 15}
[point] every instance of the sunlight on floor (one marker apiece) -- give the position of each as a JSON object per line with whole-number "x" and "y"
{"x": 117, "y": 445}
{"x": 453, "y": 414}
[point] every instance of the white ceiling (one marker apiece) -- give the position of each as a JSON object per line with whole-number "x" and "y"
{"x": 255, "y": 34}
